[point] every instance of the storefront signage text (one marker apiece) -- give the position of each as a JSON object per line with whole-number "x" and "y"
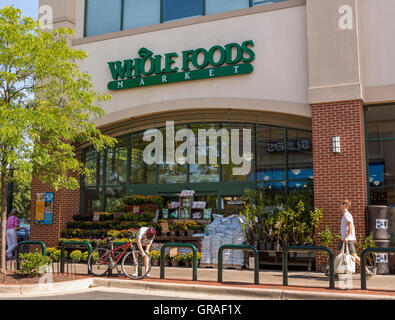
{"x": 149, "y": 69}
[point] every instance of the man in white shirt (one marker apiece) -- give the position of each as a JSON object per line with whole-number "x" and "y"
{"x": 348, "y": 232}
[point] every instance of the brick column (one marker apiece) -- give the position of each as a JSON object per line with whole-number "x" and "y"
{"x": 339, "y": 176}
{"x": 65, "y": 206}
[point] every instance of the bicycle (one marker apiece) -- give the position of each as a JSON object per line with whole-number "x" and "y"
{"x": 101, "y": 260}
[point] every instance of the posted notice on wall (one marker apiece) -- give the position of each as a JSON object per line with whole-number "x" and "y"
{"x": 44, "y": 208}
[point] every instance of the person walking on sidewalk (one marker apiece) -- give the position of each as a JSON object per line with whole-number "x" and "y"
{"x": 347, "y": 229}
{"x": 12, "y": 227}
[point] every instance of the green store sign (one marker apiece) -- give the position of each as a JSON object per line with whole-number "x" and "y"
{"x": 149, "y": 69}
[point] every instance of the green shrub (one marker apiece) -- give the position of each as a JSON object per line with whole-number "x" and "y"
{"x": 76, "y": 256}
{"x": 54, "y": 254}
{"x": 33, "y": 263}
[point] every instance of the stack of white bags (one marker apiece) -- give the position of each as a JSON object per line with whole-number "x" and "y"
{"x": 223, "y": 231}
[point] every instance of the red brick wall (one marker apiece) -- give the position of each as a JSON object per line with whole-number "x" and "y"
{"x": 339, "y": 176}
{"x": 66, "y": 204}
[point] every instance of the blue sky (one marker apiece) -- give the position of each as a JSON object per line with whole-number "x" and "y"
{"x": 28, "y": 7}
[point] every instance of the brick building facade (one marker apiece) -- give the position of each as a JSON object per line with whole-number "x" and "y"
{"x": 318, "y": 66}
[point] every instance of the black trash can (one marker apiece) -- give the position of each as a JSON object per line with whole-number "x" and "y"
{"x": 379, "y": 218}
{"x": 383, "y": 259}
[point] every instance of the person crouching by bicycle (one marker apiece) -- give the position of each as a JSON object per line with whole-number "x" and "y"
{"x": 144, "y": 238}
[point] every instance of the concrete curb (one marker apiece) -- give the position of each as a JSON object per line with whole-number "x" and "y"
{"x": 56, "y": 287}
{"x": 234, "y": 292}
{"x": 179, "y": 289}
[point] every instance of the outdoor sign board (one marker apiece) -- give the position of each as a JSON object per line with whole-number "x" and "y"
{"x": 149, "y": 69}
{"x": 44, "y": 208}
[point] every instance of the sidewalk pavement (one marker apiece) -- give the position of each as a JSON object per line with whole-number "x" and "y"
{"x": 237, "y": 284}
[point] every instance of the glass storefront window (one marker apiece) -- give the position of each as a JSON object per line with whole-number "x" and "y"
{"x": 140, "y": 172}
{"x": 105, "y": 16}
{"x": 173, "y": 172}
{"x": 102, "y": 16}
{"x": 94, "y": 163}
{"x": 179, "y": 9}
{"x": 382, "y": 172}
{"x": 380, "y": 133}
{"x": 231, "y": 205}
{"x": 139, "y": 13}
{"x": 116, "y": 165}
{"x": 92, "y": 200}
{"x": 273, "y": 172}
{"x": 245, "y": 170}
{"x": 300, "y": 154}
{"x": 270, "y": 154}
{"x": 207, "y": 171}
{"x": 215, "y": 6}
{"x": 112, "y": 195}
{"x": 261, "y": 2}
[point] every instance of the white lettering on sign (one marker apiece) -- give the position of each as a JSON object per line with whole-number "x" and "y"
{"x": 164, "y": 79}
{"x": 236, "y": 69}
{"x": 346, "y": 20}
{"x": 211, "y": 73}
{"x": 142, "y": 82}
{"x": 120, "y": 84}
{"x": 187, "y": 76}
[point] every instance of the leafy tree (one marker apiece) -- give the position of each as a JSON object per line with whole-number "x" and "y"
{"x": 46, "y": 107}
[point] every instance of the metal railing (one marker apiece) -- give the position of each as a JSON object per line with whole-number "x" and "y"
{"x": 308, "y": 248}
{"x": 67, "y": 243}
{"x": 238, "y": 247}
{"x": 363, "y": 261}
{"x": 178, "y": 245}
{"x": 20, "y": 244}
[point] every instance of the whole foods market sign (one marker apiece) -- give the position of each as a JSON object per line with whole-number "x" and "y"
{"x": 150, "y": 69}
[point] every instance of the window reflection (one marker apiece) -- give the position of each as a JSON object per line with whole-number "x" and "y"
{"x": 207, "y": 171}
{"x": 179, "y": 9}
{"x": 140, "y": 172}
{"x": 91, "y": 200}
{"x": 230, "y": 172}
{"x": 382, "y": 171}
{"x": 94, "y": 163}
{"x": 273, "y": 171}
{"x": 116, "y": 165}
{"x": 102, "y": 16}
{"x": 173, "y": 172}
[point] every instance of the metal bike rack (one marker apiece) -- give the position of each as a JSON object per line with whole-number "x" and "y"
{"x": 309, "y": 248}
{"x": 43, "y": 247}
{"x": 179, "y": 245}
{"x": 238, "y": 247}
{"x": 363, "y": 261}
{"x": 65, "y": 244}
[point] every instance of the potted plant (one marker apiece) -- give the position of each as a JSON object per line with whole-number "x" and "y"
{"x": 76, "y": 256}
{"x": 173, "y": 230}
{"x": 155, "y": 256}
{"x": 326, "y": 237}
{"x": 175, "y": 261}
{"x": 186, "y": 257}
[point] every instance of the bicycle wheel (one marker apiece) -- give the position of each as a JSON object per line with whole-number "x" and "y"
{"x": 133, "y": 265}
{"x": 99, "y": 261}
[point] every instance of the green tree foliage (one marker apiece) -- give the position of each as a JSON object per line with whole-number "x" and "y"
{"x": 46, "y": 107}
